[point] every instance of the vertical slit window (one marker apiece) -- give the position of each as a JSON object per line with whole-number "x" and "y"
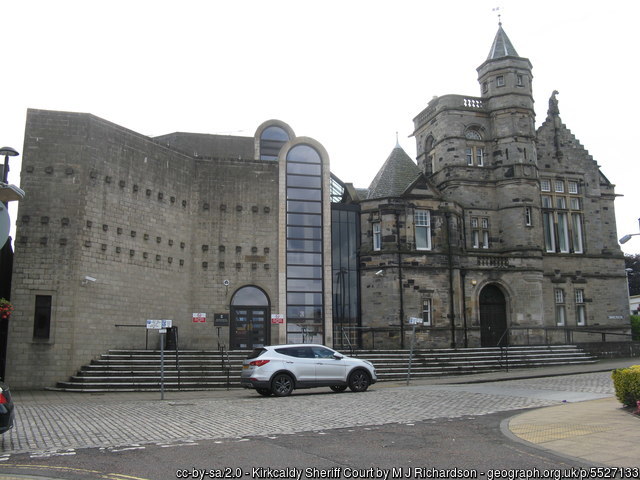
{"x": 42, "y": 317}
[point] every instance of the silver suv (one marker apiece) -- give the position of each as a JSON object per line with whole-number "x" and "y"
{"x": 279, "y": 369}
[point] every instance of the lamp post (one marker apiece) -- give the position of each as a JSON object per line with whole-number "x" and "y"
{"x": 626, "y": 238}
{"x": 7, "y": 152}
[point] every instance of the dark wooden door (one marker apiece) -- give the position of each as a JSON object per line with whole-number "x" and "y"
{"x": 493, "y": 317}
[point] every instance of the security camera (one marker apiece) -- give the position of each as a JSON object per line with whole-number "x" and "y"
{"x": 226, "y": 283}
{"x": 379, "y": 272}
{"x": 89, "y": 279}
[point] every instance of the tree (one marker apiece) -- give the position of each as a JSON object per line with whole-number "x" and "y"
{"x": 632, "y": 266}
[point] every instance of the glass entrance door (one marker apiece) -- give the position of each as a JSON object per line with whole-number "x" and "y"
{"x": 248, "y": 328}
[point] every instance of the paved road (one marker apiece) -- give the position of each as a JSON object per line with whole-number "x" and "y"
{"x": 57, "y": 425}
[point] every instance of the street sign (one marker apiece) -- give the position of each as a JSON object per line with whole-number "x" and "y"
{"x": 158, "y": 324}
{"x": 415, "y": 320}
{"x": 277, "y": 318}
{"x": 220, "y": 319}
{"x": 199, "y": 317}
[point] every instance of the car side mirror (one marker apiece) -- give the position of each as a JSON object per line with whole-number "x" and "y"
{"x": 337, "y": 356}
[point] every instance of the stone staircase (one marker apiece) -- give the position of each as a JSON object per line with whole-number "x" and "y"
{"x": 139, "y": 370}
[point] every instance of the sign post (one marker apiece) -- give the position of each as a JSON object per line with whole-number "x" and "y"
{"x": 412, "y": 321}
{"x": 161, "y": 326}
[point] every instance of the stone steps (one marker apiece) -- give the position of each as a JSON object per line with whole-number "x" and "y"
{"x": 140, "y": 370}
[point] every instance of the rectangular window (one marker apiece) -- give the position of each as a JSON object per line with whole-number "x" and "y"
{"x": 426, "y": 312}
{"x": 573, "y": 187}
{"x": 485, "y": 223}
{"x": 549, "y": 232}
{"x": 485, "y": 239}
{"x": 528, "y": 221}
{"x": 576, "y": 232}
{"x": 559, "y": 186}
{"x": 474, "y": 222}
{"x": 480, "y": 157}
{"x": 469, "y": 156}
{"x": 422, "y": 220}
{"x": 500, "y": 81}
{"x": 42, "y": 317}
{"x": 561, "y": 202}
{"x": 475, "y": 238}
{"x": 377, "y": 236}
{"x": 581, "y": 310}
{"x": 560, "y": 311}
{"x": 519, "y": 80}
{"x": 545, "y": 185}
{"x": 574, "y": 203}
{"x": 563, "y": 233}
{"x": 546, "y": 201}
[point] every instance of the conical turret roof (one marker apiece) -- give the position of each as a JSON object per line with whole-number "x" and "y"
{"x": 395, "y": 176}
{"x": 502, "y": 46}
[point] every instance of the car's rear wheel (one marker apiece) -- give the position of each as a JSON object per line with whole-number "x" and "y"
{"x": 282, "y": 385}
{"x": 264, "y": 391}
{"x": 359, "y": 381}
{"x": 338, "y": 388}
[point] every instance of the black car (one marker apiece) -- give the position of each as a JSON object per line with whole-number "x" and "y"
{"x": 6, "y": 408}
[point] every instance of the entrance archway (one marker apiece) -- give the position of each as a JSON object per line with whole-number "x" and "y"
{"x": 493, "y": 317}
{"x": 250, "y": 313}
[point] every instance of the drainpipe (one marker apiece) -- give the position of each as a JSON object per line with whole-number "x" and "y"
{"x": 400, "y": 280}
{"x": 463, "y": 274}
{"x": 450, "y": 262}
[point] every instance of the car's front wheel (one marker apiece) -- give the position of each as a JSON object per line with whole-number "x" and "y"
{"x": 282, "y": 385}
{"x": 359, "y": 381}
{"x": 338, "y": 388}
{"x": 264, "y": 391}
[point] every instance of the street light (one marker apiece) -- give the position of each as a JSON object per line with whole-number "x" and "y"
{"x": 7, "y": 152}
{"x": 8, "y": 193}
{"x": 626, "y": 238}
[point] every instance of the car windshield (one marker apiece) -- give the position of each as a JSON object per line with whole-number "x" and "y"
{"x": 257, "y": 352}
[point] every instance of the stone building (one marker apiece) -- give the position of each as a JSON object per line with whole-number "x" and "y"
{"x": 499, "y": 233}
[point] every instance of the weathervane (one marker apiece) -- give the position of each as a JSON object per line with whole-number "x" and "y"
{"x": 497, "y": 9}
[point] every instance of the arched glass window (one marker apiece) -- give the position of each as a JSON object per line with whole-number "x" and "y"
{"x": 250, "y": 296}
{"x": 472, "y": 134}
{"x": 305, "y": 305}
{"x": 271, "y": 142}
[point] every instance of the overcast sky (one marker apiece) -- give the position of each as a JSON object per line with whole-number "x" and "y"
{"x": 349, "y": 73}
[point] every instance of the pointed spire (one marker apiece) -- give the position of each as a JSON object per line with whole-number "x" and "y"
{"x": 502, "y": 46}
{"x": 397, "y": 173}
{"x": 397, "y": 141}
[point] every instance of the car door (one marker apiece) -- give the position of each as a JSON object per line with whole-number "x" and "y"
{"x": 301, "y": 363}
{"x": 328, "y": 367}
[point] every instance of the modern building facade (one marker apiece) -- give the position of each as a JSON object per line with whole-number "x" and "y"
{"x": 498, "y": 233}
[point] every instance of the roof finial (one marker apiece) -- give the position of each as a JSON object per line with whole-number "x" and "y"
{"x": 497, "y": 9}
{"x": 397, "y": 141}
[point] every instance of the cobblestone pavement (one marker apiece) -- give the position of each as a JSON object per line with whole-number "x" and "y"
{"x": 120, "y": 422}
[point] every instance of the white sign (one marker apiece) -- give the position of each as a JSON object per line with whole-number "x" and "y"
{"x": 277, "y": 318}
{"x": 414, "y": 320}
{"x": 199, "y": 317}
{"x": 158, "y": 324}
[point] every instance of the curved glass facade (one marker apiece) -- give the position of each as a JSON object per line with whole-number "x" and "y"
{"x": 305, "y": 305}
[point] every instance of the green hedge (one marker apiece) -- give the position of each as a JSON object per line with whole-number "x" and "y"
{"x": 635, "y": 327}
{"x": 626, "y": 382}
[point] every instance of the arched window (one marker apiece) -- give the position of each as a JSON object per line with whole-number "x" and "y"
{"x": 305, "y": 291}
{"x": 271, "y": 141}
{"x": 472, "y": 134}
{"x": 250, "y": 296}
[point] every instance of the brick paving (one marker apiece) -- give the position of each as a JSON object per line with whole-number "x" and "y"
{"x": 55, "y": 423}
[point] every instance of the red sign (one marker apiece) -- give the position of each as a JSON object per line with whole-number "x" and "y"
{"x": 199, "y": 318}
{"x": 277, "y": 318}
